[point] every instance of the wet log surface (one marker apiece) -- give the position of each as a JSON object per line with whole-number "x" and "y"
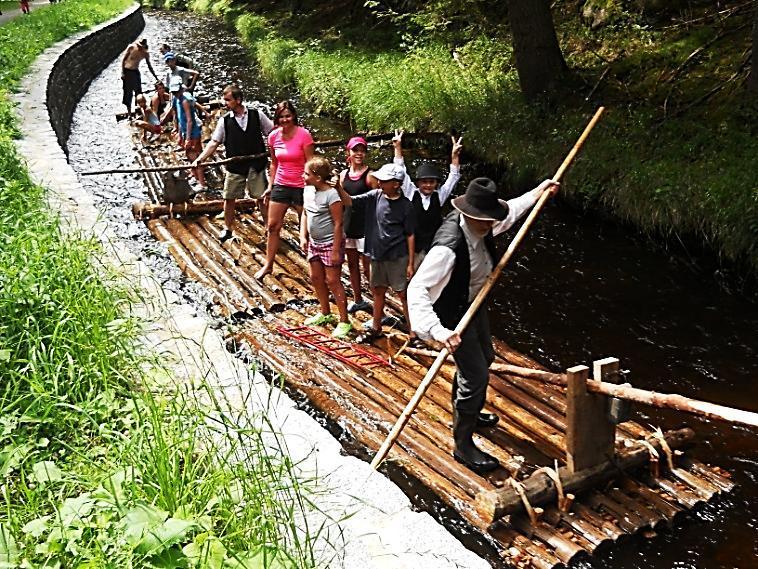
{"x": 531, "y": 433}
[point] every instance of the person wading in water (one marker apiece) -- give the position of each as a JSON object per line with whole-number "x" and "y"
{"x": 130, "y": 74}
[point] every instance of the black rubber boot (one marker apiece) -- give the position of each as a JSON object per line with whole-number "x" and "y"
{"x": 487, "y": 420}
{"x": 466, "y": 452}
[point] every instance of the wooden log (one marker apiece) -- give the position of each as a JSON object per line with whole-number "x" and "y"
{"x": 701, "y": 486}
{"x": 438, "y": 407}
{"x": 352, "y": 418}
{"x": 182, "y": 257}
{"x": 626, "y": 519}
{"x": 522, "y": 549}
{"x": 650, "y": 515}
{"x": 698, "y": 467}
{"x": 593, "y": 535}
{"x": 651, "y": 398}
{"x": 382, "y": 402}
{"x": 503, "y": 435}
{"x": 679, "y": 493}
{"x": 565, "y": 549}
{"x": 519, "y": 423}
{"x": 236, "y": 294}
{"x": 611, "y": 529}
{"x": 291, "y": 276}
{"x": 540, "y": 488}
{"x": 141, "y": 210}
{"x": 535, "y": 406}
{"x": 665, "y": 507}
{"x": 270, "y": 302}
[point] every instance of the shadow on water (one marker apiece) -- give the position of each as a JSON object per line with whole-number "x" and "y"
{"x": 579, "y": 289}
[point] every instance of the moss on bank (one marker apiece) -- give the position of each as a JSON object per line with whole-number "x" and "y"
{"x": 674, "y": 156}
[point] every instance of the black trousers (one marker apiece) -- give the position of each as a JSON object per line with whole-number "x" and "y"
{"x": 132, "y": 85}
{"x": 473, "y": 358}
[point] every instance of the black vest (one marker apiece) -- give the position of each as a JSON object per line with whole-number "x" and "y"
{"x": 453, "y": 301}
{"x": 355, "y": 227}
{"x": 244, "y": 143}
{"x": 428, "y": 221}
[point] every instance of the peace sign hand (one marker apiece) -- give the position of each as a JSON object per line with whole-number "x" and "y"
{"x": 457, "y": 145}
{"x": 397, "y": 140}
{"x": 455, "y": 155}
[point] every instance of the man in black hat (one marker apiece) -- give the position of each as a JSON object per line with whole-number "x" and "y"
{"x": 455, "y": 269}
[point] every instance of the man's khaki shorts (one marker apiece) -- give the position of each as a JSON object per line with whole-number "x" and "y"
{"x": 235, "y": 185}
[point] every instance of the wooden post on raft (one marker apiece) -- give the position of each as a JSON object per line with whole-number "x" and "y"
{"x": 590, "y": 434}
{"x": 488, "y": 284}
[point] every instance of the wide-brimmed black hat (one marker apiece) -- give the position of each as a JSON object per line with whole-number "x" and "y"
{"x": 480, "y": 201}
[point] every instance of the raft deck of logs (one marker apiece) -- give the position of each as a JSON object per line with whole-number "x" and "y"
{"x": 571, "y": 481}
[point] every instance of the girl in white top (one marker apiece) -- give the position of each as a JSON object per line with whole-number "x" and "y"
{"x": 322, "y": 236}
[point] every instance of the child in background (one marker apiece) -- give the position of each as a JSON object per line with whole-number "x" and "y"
{"x": 150, "y": 121}
{"x": 389, "y": 241}
{"x": 357, "y": 180}
{"x": 322, "y": 236}
{"x": 426, "y": 195}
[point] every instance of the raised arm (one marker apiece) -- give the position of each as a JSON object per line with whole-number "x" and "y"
{"x": 407, "y": 184}
{"x": 455, "y": 171}
{"x": 517, "y": 207}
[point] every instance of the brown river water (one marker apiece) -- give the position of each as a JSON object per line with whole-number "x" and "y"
{"x": 579, "y": 289}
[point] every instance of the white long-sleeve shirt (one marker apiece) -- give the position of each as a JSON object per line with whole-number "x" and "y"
{"x": 444, "y": 191}
{"x": 435, "y": 271}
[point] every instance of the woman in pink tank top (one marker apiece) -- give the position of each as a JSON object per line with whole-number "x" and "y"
{"x": 290, "y": 146}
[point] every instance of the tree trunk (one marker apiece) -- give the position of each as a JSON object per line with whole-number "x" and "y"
{"x": 752, "y": 79}
{"x": 539, "y": 60}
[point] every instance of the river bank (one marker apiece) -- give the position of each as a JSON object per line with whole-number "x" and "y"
{"x": 683, "y": 174}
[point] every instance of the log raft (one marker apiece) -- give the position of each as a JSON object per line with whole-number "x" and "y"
{"x": 615, "y": 482}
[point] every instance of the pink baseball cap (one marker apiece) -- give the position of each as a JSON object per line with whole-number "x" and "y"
{"x": 355, "y": 141}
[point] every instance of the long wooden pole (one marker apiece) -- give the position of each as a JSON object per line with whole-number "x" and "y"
{"x": 488, "y": 284}
{"x": 321, "y": 144}
{"x": 643, "y": 396}
{"x": 175, "y": 168}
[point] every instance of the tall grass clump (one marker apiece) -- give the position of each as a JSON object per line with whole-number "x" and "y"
{"x": 100, "y": 464}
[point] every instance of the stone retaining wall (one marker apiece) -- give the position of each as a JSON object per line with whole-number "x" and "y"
{"x": 81, "y": 62}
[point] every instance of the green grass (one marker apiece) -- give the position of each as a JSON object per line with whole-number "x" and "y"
{"x": 105, "y": 462}
{"x": 654, "y": 163}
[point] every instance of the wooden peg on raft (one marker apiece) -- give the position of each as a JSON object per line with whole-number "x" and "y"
{"x": 590, "y": 435}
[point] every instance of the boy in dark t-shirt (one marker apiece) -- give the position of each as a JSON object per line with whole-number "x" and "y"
{"x": 389, "y": 241}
